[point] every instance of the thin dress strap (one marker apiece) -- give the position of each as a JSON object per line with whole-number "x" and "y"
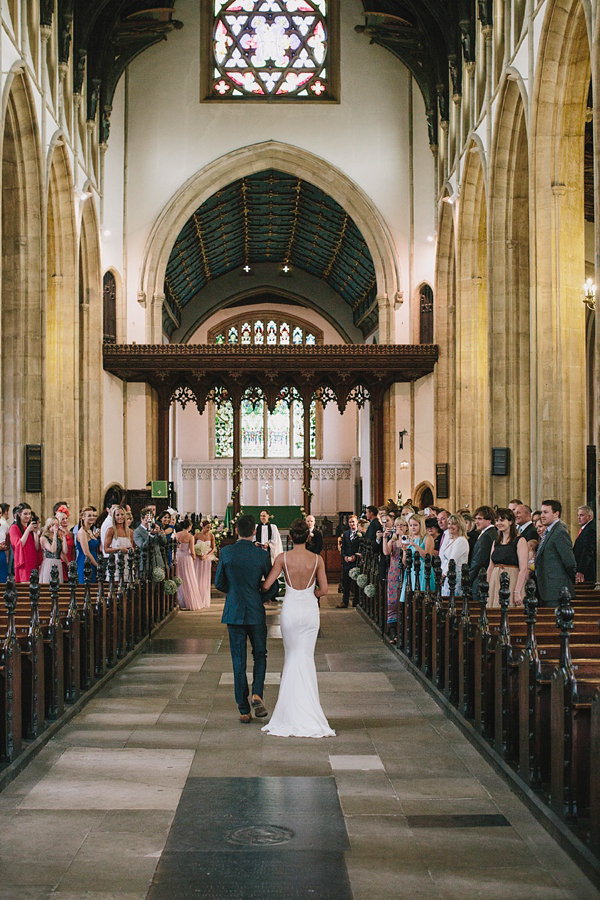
{"x": 288, "y": 580}
{"x": 311, "y": 579}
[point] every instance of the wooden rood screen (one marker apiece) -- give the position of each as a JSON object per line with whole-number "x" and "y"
{"x": 197, "y": 373}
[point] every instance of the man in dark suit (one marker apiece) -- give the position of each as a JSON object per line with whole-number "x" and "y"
{"x": 555, "y": 564}
{"x": 525, "y": 527}
{"x": 584, "y": 547}
{"x": 484, "y": 523}
{"x": 349, "y": 548}
{"x": 242, "y": 568}
{"x": 315, "y": 538}
{"x": 374, "y": 523}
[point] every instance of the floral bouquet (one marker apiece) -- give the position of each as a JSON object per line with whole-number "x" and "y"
{"x": 202, "y": 548}
{"x": 158, "y": 574}
{"x": 354, "y": 573}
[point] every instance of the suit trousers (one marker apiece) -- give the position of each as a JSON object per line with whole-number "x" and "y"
{"x": 238, "y": 637}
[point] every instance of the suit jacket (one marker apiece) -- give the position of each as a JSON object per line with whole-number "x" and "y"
{"x": 555, "y": 564}
{"x": 530, "y": 533}
{"x": 350, "y": 548}
{"x": 315, "y": 543}
{"x": 240, "y": 572}
{"x": 481, "y": 557}
{"x": 144, "y": 540}
{"x": 374, "y": 527}
{"x": 584, "y": 549}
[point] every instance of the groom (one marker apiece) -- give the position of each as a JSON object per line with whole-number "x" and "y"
{"x": 242, "y": 567}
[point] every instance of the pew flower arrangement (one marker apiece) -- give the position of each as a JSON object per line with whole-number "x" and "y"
{"x": 158, "y": 574}
{"x": 170, "y": 587}
{"x": 354, "y": 573}
{"x": 370, "y": 591}
{"x": 178, "y": 581}
{"x": 362, "y": 581}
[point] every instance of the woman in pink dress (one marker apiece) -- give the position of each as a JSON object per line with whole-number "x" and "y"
{"x": 188, "y": 594}
{"x": 203, "y": 563}
{"x": 25, "y": 542}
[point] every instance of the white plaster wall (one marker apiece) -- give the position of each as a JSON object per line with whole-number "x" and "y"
{"x": 424, "y": 444}
{"x": 114, "y": 444}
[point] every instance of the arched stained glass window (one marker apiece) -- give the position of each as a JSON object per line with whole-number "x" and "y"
{"x": 232, "y": 335}
{"x": 279, "y": 434}
{"x": 246, "y": 332}
{"x": 271, "y": 332}
{"x": 280, "y": 331}
{"x": 270, "y": 50}
{"x": 284, "y": 334}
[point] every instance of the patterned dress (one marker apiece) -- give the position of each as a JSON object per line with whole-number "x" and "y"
{"x": 394, "y": 582}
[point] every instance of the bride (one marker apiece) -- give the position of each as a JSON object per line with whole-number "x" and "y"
{"x": 298, "y": 710}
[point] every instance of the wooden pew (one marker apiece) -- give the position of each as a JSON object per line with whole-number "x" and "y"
{"x": 10, "y": 683}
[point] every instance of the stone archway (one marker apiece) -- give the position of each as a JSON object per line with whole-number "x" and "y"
{"x": 61, "y": 358}
{"x": 90, "y": 358}
{"x": 22, "y": 294}
{"x": 247, "y": 161}
{"x": 445, "y": 335}
{"x": 472, "y": 324}
{"x": 558, "y": 261}
{"x": 509, "y": 293}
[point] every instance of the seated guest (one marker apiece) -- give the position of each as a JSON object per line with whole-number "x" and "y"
{"x": 555, "y": 564}
{"x": 486, "y": 535}
{"x": 315, "y": 538}
{"x": 25, "y": 541}
{"x": 510, "y": 554}
{"x": 584, "y": 547}
{"x": 454, "y": 546}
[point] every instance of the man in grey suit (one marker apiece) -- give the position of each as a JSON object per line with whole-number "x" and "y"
{"x": 484, "y": 523}
{"x": 242, "y": 568}
{"x": 555, "y": 564}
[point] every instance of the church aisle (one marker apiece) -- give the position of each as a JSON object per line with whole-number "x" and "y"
{"x": 157, "y": 771}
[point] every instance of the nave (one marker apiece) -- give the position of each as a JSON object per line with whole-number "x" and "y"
{"x": 155, "y": 790}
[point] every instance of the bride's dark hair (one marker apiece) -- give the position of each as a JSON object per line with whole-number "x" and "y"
{"x": 299, "y": 531}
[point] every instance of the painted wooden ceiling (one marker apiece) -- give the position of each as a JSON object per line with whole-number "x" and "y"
{"x": 272, "y": 217}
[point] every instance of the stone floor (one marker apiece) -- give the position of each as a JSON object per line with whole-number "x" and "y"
{"x": 151, "y": 770}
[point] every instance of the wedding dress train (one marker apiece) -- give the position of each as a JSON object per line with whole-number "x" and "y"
{"x": 298, "y": 711}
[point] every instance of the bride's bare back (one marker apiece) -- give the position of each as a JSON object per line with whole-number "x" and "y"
{"x": 300, "y": 565}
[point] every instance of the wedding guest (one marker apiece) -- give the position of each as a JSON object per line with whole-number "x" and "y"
{"x": 510, "y": 554}
{"x": 62, "y": 513}
{"x": 188, "y": 594}
{"x": 454, "y": 546}
{"x": 87, "y": 545}
{"x": 4, "y": 541}
{"x": 433, "y": 529}
{"x": 393, "y": 546}
{"x": 349, "y": 548}
{"x": 25, "y": 541}
{"x": 419, "y": 542}
{"x": 315, "y": 538}
{"x": 555, "y": 563}
{"x": 119, "y": 537}
{"x": 52, "y": 546}
{"x": 584, "y": 547}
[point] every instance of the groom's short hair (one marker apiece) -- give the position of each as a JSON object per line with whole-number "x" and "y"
{"x": 245, "y": 526}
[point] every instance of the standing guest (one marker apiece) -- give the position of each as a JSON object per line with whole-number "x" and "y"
{"x": 315, "y": 538}
{"x": 510, "y": 554}
{"x": 4, "y": 541}
{"x": 363, "y": 524}
{"x": 393, "y": 546}
{"x": 555, "y": 564}
{"x": 539, "y": 526}
{"x": 419, "y": 542}
{"x": 267, "y": 536}
{"x": 472, "y": 533}
{"x": 62, "y": 513}
{"x": 25, "y": 541}
{"x": 433, "y": 529}
{"x": 203, "y": 563}
{"x": 188, "y": 594}
{"x": 584, "y": 547}
{"x": 454, "y": 546}
{"x": 52, "y": 546}
{"x": 513, "y": 505}
{"x": 168, "y": 529}
{"x": 524, "y": 524}
{"x": 118, "y": 538}
{"x": 350, "y": 548}
{"x": 374, "y": 523}
{"x": 442, "y": 518}
{"x": 486, "y": 535}
{"x": 147, "y": 536}
{"x": 87, "y": 545}
{"x": 106, "y": 524}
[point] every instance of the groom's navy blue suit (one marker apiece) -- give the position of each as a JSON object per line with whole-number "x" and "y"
{"x": 242, "y": 567}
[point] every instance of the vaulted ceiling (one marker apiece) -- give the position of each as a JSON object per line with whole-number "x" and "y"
{"x": 272, "y": 217}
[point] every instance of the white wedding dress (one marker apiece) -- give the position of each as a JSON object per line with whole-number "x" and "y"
{"x": 298, "y": 710}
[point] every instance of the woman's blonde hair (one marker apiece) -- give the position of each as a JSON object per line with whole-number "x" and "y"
{"x": 457, "y": 519}
{"x": 46, "y": 528}
{"x": 421, "y": 520}
{"x": 400, "y": 520}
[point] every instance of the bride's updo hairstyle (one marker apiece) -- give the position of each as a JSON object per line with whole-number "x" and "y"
{"x": 299, "y": 531}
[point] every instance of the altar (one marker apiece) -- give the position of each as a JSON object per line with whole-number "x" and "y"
{"x": 282, "y": 516}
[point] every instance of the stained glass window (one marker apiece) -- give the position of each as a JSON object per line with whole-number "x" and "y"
{"x": 280, "y": 330}
{"x": 298, "y": 429}
{"x": 284, "y": 334}
{"x": 253, "y": 428}
{"x": 297, "y": 335}
{"x": 246, "y": 332}
{"x": 279, "y": 434}
{"x": 270, "y": 49}
{"x": 259, "y": 332}
{"x": 232, "y": 335}
{"x": 271, "y": 332}
{"x": 278, "y": 431}
{"x": 220, "y": 339}
{"x": 310, "y": 340}
{"x": 224, "y": 430}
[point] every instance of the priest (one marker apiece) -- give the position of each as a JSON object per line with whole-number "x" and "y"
{"x": 267, "y": 536}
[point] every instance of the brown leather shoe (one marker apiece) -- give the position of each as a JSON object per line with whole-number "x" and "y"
{"x": 341, "y": 606}
{"x": 246, "y": 718}
{"x": 258, "y": 707}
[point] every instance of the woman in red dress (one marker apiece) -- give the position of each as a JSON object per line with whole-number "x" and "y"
{"x": 25, "y": 541}
{"x": 62, "y": 513}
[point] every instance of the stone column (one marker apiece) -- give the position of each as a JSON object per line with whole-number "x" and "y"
{"x": 237, "y": 456}
{"x": 377, "y": 449}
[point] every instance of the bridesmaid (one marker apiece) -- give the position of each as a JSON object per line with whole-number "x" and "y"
{"x": 188, "y": 594}
{"x": 203, "y": 564}
{"x": 87, "y": 546}
{"x": 53, "y": 550}
{"x": 25, "y": 542}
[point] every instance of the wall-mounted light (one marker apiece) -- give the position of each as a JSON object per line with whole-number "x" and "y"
{"x": 589, "y": 294}
{"x": 401, "y": 435}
